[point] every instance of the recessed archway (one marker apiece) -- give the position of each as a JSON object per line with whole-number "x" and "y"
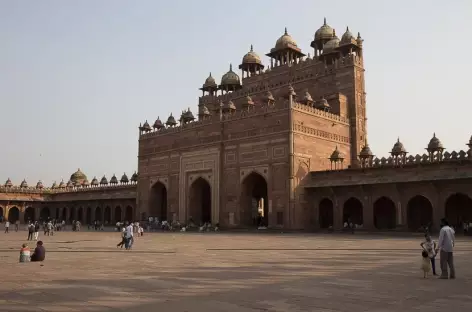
{"x": 1, "y": 214}
{"x": 385, "y": 214}
{"x": 13, "y": 214}
{"x": 98, "y": 214}
{"x": 89, "y": 215}
{"x": 326, "y": 213}
{"x": 129, "y": 214}
{"x": 44, "y": 214}
{"x": 58, "y": 213}
{"x": 200, "y": 202}
{"x": 353, "y": 211}
{"x": 458, "y": 209}
{"x": 107, "y": 214}
{"x": 29, "y": 215}
{"x": 158, "y": 201}
{"x": 64, "y": 214}
{"x": 117, "y": 214}
{"x": 419, "y": 213}
{"x": 80, "y": 215}
{"x": 72, "y": 214}
{"x": 254, "y": 201}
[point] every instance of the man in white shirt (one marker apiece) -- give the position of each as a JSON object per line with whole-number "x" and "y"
{"x": 129, "y": 236}
{"x": 7, "y": 226}
{"x": 446, "y": 245}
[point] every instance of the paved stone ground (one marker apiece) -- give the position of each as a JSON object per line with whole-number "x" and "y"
{"x": 263, "y": 272}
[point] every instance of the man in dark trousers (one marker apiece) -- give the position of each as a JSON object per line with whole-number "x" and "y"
{"x": 39, "y": 253}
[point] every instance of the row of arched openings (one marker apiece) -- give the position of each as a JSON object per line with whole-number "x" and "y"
{"x": 254, "y": 201}
{"x": 86, "y": 215}
{"x": 458, "y": 209}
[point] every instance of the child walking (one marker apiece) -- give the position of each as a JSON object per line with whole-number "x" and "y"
{"x": 431, "y": 248}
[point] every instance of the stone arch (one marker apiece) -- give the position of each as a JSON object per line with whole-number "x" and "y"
{"x": 200, "y": 201}
{"x": 117, "y": 214}
{"x": 88, "y": 215}
{"x": 458, "y": 209}
{"x": 353, "y": 211}
{"x": 158, "y": 201}
{"x": 1, "y": 213}
{"x": 64, "y": 214}
{"x": 107, "y": 214}
{"x": 385, "y": 214}
{"x": 45, "y": 214}
{"x": 419, "y": 213}
{"x": 80, "y": 214}
{"x": 58, "y": 213}
{"x": 129, "y": 214}
{"x": 254, "y": 209}
{"x": 13, "y": 214}
{"x": 98, "y": 214}
{"x": 72, "y": 214}
{"x": 326, "y": 213}
{"x": 30, "y": 215}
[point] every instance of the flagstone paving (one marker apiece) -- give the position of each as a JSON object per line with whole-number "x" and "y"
{"x": 197, "y": 272}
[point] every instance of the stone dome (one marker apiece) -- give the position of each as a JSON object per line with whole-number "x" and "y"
{"x": 146, "y": 126}
{"x": 39, "y": 185}
{"x": 124, "y": 178}
{"x": 435, "y": 144}
{"x": 251, "y": 57}
{"x": 104, "y": 181}
{"x": 171, "y": 121}
{"x": 366, "y": 152}
{"x": 158, "y": 124}
{"x": 78, "y": 176}
{"x": 78, "y": 184}
{"x": 86, "y": 183}
{"x": 210, "y": 83}
{"x": 134, "y": 177}
{"x": 331, "y": 45}
{"x": 398, "y": 148}
{"x": 336, "y": 155}
{"x": 230, "y": 78}
{"x": 285, "y": 41}
{"x": 188, "y": 115}
{"x": 114, "y": 180}
{"x": 62, "y": 184}
{"x": 24, "y": 184}
{"x": 347, "y": 37}
{"x": 325, "y": 32}
{"x": 94, "y": 181}
{"x": 70, "y": 184}
{"x": 8, "y": 183}
{"x": 323, "y": 104}
{"x": 54, "y": 185}
{"x": 307, "y": 99}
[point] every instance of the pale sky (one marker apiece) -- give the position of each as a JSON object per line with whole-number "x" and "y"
{"x": 78, "y": 76}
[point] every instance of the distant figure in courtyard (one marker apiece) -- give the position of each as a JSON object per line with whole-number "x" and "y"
{"x": 30, "y": 231}
{"x": 7, "y": 226}
{"x": 129, "y": 237}
{"x": 431, "y": 248}
{"x": 123, "y": 238}
{"x": 425, "y": 263}
{"x": 17, "y": 225}
{"x": 39, "y": 253}
{"x": 36, "y": 230}
{"x": 446, "y": 246}
{"x": 25, "y": 253}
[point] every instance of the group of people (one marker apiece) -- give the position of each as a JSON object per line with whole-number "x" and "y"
{"x": 444, "y": 247}
{"x": 39, "y": 253}
{"x": 127, "y": 234}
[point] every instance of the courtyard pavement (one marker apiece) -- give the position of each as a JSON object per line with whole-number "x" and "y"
{"x": 229, "y": 272}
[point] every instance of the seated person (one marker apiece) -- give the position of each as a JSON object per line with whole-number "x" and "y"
{"x": 25, "y": 253}
{"x": 39, "y": 253}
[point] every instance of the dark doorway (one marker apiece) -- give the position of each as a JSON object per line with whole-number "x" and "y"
{"x": 254, "y": 201}
{"x": 29, "y": 215}
{"x": 419, "y": 213}
{"x": 385, "y": 214}
{"x": 89, "y": 215}
{"x": 45, "y": 214}
{"x": 107, "y": 215}
{"x": 458, "y": 209}
{"x": 129, "y": 214}
{"x": 73, "y": 214}
{"x": 64, "y": 214}
{"x": 98, "y": 214}
{"x": 200, "y": 202}
{"x": 80, "y": 215}
{"x": 326, "y": 213}
{"x": 352, "y": 211}
{"x": 158, "y": 201}
{"x": 13, "y": 214}
{"x": 58, "y": 213}
{"x": 1, "y": 214}
{"x": 117, "y": 214}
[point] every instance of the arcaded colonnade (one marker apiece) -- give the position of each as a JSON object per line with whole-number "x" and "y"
{"x": 106, "y": 212}
{"x": 410, "y": 206}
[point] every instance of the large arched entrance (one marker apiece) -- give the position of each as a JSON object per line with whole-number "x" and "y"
{"x": 29, "y": 215}
{"x": 254, "y": 201}
{"x": 419, "y": 213}
{"x": 13, "y": 214}
{"x": 326, "y": 213}
{"x": 64, "y": 214}
{"x": 44, "y": 214}
{"x": 385, "y": 214}
{"x": 129, "y": 214}
{"x": 458, "y": 209}
{"x": 158, "y": 201}
{"x": 72, "y": 214}
{"x": 107, "y": 215}
{"x": 117, "y": 214}
{"x": 200, "y": 202}
{"x": 89, "y": 215}
{"x": 352, "y": 211}
{"x": 80, "y": 215}
{"x": 98, "y": 214}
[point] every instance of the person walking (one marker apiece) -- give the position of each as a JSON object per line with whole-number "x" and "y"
{"x": 7, "y": 226}
{"x": 446, "y": 246}
{"x": 30, "y": 231}
{"x": 36, "y": 230}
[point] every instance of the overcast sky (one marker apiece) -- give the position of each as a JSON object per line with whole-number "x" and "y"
{"x": 77, "y": 77}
